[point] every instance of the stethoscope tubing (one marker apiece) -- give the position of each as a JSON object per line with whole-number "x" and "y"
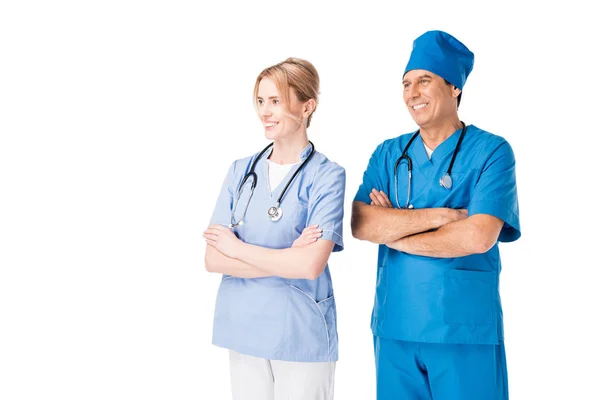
{"x": 252, "y": 174}
{"x": 405, "y": 156}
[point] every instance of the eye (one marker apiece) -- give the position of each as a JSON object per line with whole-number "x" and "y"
{"x": 260, "y": 102}
{"x": 406, "y": 85}
{"x": 424, "y": 81}
{"x": 275, "y": 101}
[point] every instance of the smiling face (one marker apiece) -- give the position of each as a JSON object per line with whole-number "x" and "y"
{"x": 430, "y": 100}
{"x": 279, "y": 119}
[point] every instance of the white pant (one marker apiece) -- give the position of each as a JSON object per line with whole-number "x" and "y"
{"x": 259, "y": 379}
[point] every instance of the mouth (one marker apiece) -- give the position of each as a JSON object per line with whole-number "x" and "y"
{"x": 270, "y": 124}
{"x": 420, "y": 106}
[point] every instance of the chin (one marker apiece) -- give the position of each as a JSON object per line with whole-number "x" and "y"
{"x": 270, "y": 135}
{"x": 420, "y": 120}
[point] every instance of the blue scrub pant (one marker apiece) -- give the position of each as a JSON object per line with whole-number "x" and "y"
{"x": 438, "y": 371}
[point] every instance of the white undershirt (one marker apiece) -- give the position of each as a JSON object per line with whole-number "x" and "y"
{"x": 428, "y": 150}
{"x": 277, "y": 172}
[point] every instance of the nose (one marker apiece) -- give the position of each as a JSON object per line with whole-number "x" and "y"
{"x": 264, "y": 110}
{"x": 412, "y": 91}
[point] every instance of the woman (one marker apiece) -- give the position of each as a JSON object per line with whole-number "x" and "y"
{"x": 277, "y": 220}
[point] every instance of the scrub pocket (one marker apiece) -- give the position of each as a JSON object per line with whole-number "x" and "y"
{"x": 311, "y": 325}
{"x": 250, "y": 313}
{"x": 458, "y": 197}
{"x": 381, "y": 290}
{"x": 468, "y": 297}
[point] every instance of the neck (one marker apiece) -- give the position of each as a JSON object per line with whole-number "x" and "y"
{"x": 287, "y": 151}
{"x": 434, "y": 135}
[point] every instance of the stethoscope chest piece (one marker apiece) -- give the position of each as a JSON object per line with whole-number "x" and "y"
{"x": 232, "y": 225}
{"x": 275, "y": 213}
{"x": 446, "y": 181}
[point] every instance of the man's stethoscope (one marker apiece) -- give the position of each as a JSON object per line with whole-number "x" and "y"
{"x": 275, "y": 212}
{"x": 445, "y": 181}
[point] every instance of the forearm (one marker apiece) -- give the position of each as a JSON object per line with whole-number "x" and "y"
{"x": 215, "y": 261}
{"x": 293, "y": 263}
{"x": 456, "y": 239}
{"x": 385, "y": 225}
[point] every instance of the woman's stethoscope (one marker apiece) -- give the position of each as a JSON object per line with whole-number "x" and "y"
{"x": 445, "y": 181}
{"x": 275, "y": 212}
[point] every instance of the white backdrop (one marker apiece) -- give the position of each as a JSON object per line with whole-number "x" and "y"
{"x": 119, "y": 119}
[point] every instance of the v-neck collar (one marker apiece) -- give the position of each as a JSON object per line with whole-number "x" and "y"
{"x": 440, "y": 152}
{"x": 264, "y": 172}
{"x": 303, "y": 154}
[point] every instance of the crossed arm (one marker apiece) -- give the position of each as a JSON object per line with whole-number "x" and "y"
{"x": 226, "y": 254}
{"x": 434, "y": 232}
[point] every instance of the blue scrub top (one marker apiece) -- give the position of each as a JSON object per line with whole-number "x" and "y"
{"x": 444, "y": 300}
{"x": 277, "y": 318}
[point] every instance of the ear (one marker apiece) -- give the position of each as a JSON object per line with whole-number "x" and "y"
{"x": 455, "y": 92}
{"x": 309, "y": 107}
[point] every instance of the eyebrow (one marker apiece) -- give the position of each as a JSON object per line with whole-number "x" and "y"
{"x": 419, "y": 77}
{"x": 269, "y": 98}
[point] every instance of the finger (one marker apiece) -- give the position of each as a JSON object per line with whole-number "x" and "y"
{"x": 218, "y": 227}
{"x": 379, "y": 197}
{"x": 386, "y": 199}
{"x": 211, "y": 243}
{"x": 209, "y": 236}
{"x": 211, "y": 231}
{"x": 375, "y": 200}
{"x": 313, "y": 231}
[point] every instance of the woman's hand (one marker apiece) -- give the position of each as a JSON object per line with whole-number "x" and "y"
{"x": 223, "y": 239}
{"x": 309, "y": 235}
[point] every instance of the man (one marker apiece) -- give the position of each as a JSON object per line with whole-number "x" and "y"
{"x": 437, "y": 318}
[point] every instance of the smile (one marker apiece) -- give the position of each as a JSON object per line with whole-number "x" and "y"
{"x": 420, "y": 106}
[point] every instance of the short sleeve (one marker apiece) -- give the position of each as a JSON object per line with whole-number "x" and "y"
{"x": 371, "y": 178}
{"x": 222, "y": 213}
{"x": 326, "y": 203}
{"x": 495, "y": 192}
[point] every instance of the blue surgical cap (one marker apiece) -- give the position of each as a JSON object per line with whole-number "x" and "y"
{"x": 442, "y": 54}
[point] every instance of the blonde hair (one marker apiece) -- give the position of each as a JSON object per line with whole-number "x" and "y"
{"x": 294, "y": 73}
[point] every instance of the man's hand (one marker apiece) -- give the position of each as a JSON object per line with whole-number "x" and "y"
{"x": 379, "y": 198}
{"x": 309, "y": 235}
{"x": 223, "y": 239}
{"x": 457, "y": 214}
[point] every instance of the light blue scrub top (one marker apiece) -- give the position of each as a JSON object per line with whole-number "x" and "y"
{"x": 444, "y": 300}
{"x": 277, "y": 318}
